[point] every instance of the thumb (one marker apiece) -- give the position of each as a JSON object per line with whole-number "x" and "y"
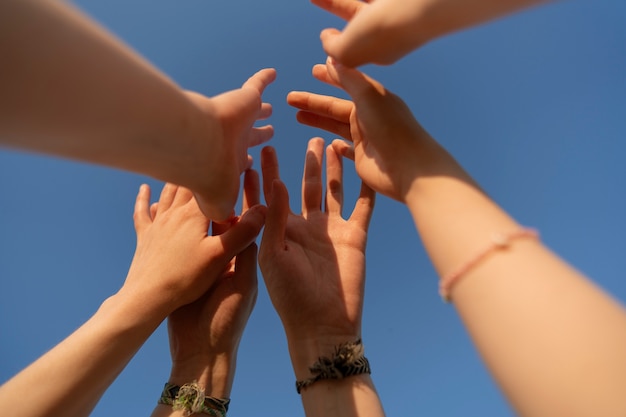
{"x": 358, "y": 85}
{"x": 244, "y": 232}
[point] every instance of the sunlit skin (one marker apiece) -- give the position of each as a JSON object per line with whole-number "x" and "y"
{"x": 384, "y": 31}
{"x": 95, "y": 100}
{"x": 519, "y": 294}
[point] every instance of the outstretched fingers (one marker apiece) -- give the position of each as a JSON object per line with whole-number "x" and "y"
{"x": 312, "y": 177}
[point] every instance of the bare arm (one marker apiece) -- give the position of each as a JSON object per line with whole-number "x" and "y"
{"x": 204, "y": 335}
{"x": 70, "y": 89}
{"x": 383, "y": 31}
{"x": 552, "y": 339}
{"x": 174, "y": 263}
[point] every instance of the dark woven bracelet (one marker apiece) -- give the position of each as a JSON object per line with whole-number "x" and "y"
{"x": 191, "y": 399}
{"x": 347, "y": 360}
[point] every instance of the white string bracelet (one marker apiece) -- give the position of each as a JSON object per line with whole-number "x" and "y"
{"x": 499, "y": 241}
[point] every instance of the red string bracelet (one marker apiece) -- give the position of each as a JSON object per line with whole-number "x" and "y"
{"x": 499, "y": 241}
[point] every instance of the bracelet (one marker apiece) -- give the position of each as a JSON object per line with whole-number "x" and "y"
{"x": 347, "y": 360}
{"x": 191, "y": 399}
{"x": 499, "y": 241}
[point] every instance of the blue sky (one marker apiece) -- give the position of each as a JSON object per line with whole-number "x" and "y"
{"x": 533, "y": 106}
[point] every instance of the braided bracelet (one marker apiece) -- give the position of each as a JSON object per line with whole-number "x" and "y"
{"x": 191, "y": 399}
{"x": 347, "y": 360}
{"x": 499, "y": 241}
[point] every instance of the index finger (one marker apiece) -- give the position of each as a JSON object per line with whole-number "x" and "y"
{"x": 334, "y": 108}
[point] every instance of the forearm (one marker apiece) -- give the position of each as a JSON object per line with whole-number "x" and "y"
{"x": 552, "y": 339}
{"x": 69, "y": 88}
{"x": 441, "y": 17}
{"x": 70, "y": 379}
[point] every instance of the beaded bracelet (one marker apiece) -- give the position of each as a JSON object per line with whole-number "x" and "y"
{"x": 347, "y": 360}
{"x": 499, "y": 241}
{"x": 191, "y": 399}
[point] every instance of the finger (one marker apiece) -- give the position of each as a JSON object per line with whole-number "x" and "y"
{"x": 358, "y": 85}
{"x": 182, "y": 197}
{"x": 364, "y": 207}
{"x": 141, "y": 214}
{"x": 365, "y": 39}
{"x": 334, "y": 181}
{"x": 167, "y": 197}
{"x": 266, "y": 111}
{"x": 344, "y": 149}
{"x": 153, "y": 210}
{"x": 273, "y": 239}
{"x": 324, "y": 123}
{"x": 269, "y": 170}
{"x": 344, "y": 9}
{"x": 320, "y": 73}
{"x": 312, "y": 177}
{"x": 218, "y": 228}
{"x": 251, "y": 190}
{"x": 328, "y": 106}
{"x": 261, "y": 80}
{"x": 260, "y": 135}
{"x": 241, "y": 234}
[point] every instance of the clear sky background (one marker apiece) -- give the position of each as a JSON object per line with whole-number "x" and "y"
{"x": 533, "y": 106}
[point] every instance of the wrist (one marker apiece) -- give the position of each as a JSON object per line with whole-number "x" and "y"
{"x": 433, "y": 166}
{"x": 136, "y": 313}
{"x": 305, "y": 351}
{"x": 214, "y": 375}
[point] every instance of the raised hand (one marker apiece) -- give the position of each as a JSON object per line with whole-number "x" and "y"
{"x": 314, "y": 263}
{"x": 390, "y": 148}
{"x": 236, "y": 112}
{"x": 176, "y": 261}
{"x": 204, "y": 335}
